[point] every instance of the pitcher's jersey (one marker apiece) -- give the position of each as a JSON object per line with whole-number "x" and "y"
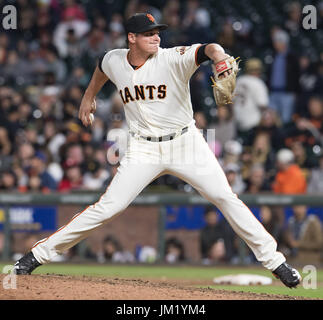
{"x": 156, "y": 95}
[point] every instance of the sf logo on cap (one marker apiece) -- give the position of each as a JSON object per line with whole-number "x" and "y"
{"x": 150, "y": 17}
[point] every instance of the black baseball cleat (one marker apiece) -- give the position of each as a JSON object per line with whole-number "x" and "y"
{"x": 26, "y": 265}
{"x": 289, "y": 276}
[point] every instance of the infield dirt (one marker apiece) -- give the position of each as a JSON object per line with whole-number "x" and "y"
{"x": 62, "y": 287}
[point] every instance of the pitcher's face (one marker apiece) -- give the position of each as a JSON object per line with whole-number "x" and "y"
{"x": 148, "y": 41}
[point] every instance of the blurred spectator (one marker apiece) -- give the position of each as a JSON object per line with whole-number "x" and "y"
{"x": 16, "y": 70}
{"x": 283, "y": 77}
{"x": 22, "y": 177}
{"x": 73, "y": 17}
{"x": 251, "y": 98}
{"x": 146, "y": 254}
{"x": 173, "y": 35}
{"x": 147, "y": 6}
{"x": 38, "y": 174}
{"x": 98, "y": 131}
{"x": 262, "y": 152}
{"x": 307, "y": 130}
{"x": 55, "y": 65}
{"x": 5, "y": 144}
{"x": 116, "y": 37}
{"x": 226, "y": 37}
{"x": 216, "y": 239}
{"x": 25, "y": 110}
{"x": 294, "y": 21}
{"x": 24, "y": 154}
{"x": 304, "y": 235}
{"x": 271, "y": 224}
{"x": 30, "y": 135}
{"x": 74, "y": 153}
{"x": 72, "y": 179}
{"x": 77, "y": 77}
{"x": 289, "y": 178}
{"x": 200, "y": 120}
{"x": 231, "y": 153}
{"x": 70, "y": 49}
{"x": 92, "y": 48}
{"x": 196, "y": 22}
{"x": 311, "y": 83}
{"x": 13, "y": 124}
{"x": 8, "y": 181}
{"x": 174, "y": 250}
{"x": 257, "y": 182}
{"x": 232, "y": 172}
{"x": 44, "y": 69}
{"x": 224, "y": 126}
{"x": 81, "y": 250}
{"x": 305, "y": 159}
{"x": 53, "y": 138}
{"x": 113, "y": 252}
{"x": 199, "y": 91}
{"x": 245, "y": 36}
{"x": 34, "y": 184}
{"x": 271, "y": 124}
{"x": 315, "y": 184}
{"x": 96, "y": 176}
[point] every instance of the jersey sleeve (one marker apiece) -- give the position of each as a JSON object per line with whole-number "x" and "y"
{"x": 105, "y": 65}
{"x": 183, "y": 61}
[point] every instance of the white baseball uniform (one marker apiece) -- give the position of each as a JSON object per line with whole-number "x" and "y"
{"x": 157, "y": 104}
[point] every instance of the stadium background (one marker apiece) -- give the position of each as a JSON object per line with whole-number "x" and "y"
{"x": 46, "y": 64}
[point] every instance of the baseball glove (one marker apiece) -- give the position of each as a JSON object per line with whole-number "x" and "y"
{"x": 223, "y": 87}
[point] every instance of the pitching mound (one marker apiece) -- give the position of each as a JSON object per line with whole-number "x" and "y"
{"x": 61, "y": 287}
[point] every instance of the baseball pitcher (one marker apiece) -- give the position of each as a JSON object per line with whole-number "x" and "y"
{"x": 153, "y": 84}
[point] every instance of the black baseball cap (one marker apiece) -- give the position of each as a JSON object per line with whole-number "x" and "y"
{"x": 142, "y": 22}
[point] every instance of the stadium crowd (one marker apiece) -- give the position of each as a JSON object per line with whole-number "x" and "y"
{"x": 46, "y": 64}
{"x": 273, "y": 129}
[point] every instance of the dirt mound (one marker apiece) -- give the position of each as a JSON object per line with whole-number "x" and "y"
{"x": 61, "y": 287}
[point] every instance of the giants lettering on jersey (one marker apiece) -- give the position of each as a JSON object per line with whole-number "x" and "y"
{"x": 141, "y": 92}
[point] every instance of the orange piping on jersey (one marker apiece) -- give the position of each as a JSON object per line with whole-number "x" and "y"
{"x": 140, "y": 66}
{"x": 78, "y": 214}
{"x": 197, "y": 49}
{"x": 127, "y": 57}
{"x": 61, "y": 228}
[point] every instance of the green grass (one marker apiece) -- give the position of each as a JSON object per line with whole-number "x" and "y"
{"x": 181, "y": 272}
{"x": 299, "y": 292}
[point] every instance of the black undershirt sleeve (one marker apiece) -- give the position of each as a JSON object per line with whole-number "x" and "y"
{"x": 201, "y": 56}
{"x": 100, "y": 63}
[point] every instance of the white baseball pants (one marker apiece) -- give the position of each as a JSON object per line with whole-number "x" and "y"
{"x": 187, "y": 157}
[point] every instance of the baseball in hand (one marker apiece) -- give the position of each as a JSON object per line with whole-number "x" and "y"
{"x": 91, "y": 118}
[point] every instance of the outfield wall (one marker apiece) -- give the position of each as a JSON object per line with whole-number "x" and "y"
{"x": 147, "y": 222}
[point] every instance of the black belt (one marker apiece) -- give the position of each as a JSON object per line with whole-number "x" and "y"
{"x": 168, "y": 137}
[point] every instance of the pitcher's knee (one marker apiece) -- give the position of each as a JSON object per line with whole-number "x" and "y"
{"x": 109, "y": 209}
{"x": 222, "y": 196}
